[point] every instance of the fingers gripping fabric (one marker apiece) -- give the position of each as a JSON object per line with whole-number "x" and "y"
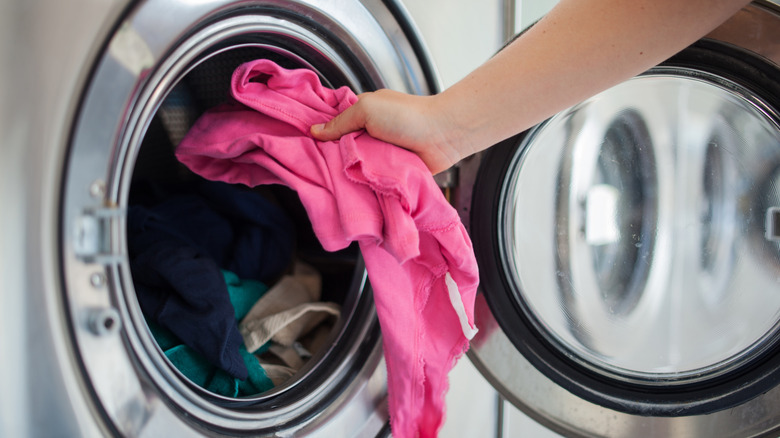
{"x": 418, "y": 256}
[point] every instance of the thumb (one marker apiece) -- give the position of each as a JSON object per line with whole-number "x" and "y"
{"x": 348, "y": 121}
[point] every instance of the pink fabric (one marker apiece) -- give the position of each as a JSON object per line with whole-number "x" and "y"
{"x": 355, "y": 189}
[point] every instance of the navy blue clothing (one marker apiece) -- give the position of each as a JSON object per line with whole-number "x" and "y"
{"x": 182, "y": 289}
{"x": 177, "y": 246}
{"x": 244, "y": 232}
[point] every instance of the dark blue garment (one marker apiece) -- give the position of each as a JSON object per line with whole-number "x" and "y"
{"x": 244, "y": 232}
{"x": 182, "y": 289}
{"x": 177, "y": 247}
{"x": 243, "y": 295}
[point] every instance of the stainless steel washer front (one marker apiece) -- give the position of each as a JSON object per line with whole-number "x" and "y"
{"x": 82, "y": 84}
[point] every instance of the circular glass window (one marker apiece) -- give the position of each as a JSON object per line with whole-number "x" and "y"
{"x": 211, "y": 260}
{"x": 641, "y": 228}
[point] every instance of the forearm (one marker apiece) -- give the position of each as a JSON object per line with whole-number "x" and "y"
{"x": 579, "y": 49}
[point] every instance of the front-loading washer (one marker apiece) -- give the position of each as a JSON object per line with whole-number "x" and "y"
{"x": 628, "y": 245}
{"x": 95, "y": 96}
{"x": 629, "y": 249}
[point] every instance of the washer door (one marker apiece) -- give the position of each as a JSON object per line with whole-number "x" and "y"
{"x": 97, "y": 369}
{"x": 630, "y": 252}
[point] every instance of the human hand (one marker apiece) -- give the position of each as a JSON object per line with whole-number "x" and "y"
{"x": 411, "y": 122}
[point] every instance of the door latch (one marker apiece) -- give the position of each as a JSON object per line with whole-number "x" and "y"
{"x": 96, "y": 235}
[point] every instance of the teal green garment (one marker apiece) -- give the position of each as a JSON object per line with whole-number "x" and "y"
{"x": 243, "y": 295}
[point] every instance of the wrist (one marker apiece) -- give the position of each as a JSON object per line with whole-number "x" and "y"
{"x": 453, "y": 129}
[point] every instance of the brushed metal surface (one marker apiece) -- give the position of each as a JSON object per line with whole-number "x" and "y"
{"x": 80, "y": 81}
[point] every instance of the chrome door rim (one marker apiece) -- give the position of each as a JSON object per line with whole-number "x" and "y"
{"x": 636, "y": 313}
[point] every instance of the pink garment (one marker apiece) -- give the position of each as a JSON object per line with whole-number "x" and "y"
{"x": 356, "y": 189}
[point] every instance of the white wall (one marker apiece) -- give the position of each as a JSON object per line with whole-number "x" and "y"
{"x": 461, "y": 34}
{"x": 528, "y": 11}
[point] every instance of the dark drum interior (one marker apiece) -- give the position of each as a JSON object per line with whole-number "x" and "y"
{"x": 158, "y": 179}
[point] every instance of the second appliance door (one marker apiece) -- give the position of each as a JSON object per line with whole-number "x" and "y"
{"x": 630, "y": 249}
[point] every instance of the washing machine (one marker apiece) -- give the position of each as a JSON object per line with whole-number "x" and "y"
{"x": 628, "y": 249}
{"x": 95, "y": 96}
{"x": 628, "y": 246}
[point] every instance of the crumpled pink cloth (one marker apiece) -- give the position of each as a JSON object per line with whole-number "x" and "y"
{"x": 419, "y": 259}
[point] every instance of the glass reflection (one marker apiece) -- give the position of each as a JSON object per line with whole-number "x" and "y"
{"x": 655, "y": 196}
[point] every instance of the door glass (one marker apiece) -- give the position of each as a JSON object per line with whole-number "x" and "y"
{"x": 642, "y": 228}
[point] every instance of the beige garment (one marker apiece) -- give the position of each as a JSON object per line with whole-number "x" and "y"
{"x": 281, "y": 363}
{"x": 278, "y": 373}
{"x": 288, "y": 311}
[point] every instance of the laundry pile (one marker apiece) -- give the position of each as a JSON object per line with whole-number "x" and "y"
{"x": 202, "y": 254}
{"x": 418, "y": 256}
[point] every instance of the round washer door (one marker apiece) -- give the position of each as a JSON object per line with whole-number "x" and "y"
{"x": 155, "y": 69}
{"x": 629, "y": 249}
